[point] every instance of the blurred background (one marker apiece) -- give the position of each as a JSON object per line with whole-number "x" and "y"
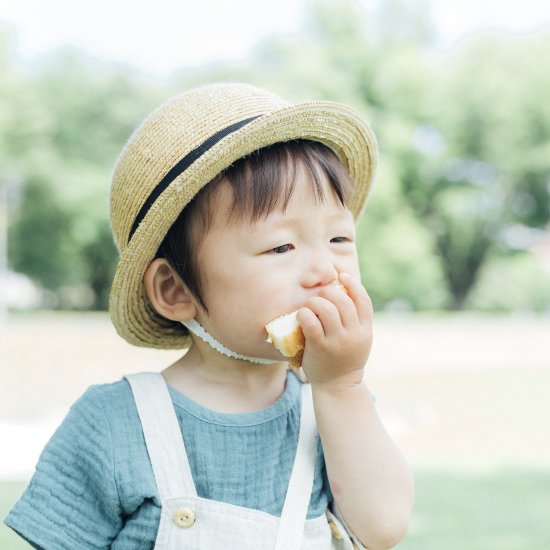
{"x": 455, "y": 241}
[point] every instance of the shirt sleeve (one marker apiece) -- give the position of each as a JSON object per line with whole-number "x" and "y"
{"x": 72, "y": 499}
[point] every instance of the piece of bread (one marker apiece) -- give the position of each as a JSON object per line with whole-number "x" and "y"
{"x": 286, "y": 334}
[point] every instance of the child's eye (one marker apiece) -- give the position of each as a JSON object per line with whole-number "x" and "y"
{"x": 286, "y": 247}
{"x": 280, "y": 249}
{"x": 339, "y": 239}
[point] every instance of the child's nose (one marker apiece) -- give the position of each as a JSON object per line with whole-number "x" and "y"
{"x": 321, "y": 271}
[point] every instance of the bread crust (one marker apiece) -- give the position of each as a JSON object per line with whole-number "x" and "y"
{"x": 290, "y": 342}
{"x": 294, "y": 343}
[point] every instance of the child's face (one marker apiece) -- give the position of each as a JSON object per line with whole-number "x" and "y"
{"x": 254, "y": 273}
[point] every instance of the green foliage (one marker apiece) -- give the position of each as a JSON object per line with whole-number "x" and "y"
{"x": 40, "y": 242}
{"x": 394, "y": 248}
{"x": 63, "y": 127}
{"x": 501, "y": 122}
{"x": 518, "y": 282}
{"x": 99, "y": 256}
{"x": 92, "y": 107}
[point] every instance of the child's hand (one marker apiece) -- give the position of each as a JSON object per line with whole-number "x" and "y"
{"x": 338, "y": 333}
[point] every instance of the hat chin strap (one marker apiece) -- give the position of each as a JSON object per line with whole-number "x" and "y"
{"x": 196, "y": 328}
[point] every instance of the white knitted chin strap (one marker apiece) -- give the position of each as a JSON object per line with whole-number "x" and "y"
{"x": 196, "y": 328}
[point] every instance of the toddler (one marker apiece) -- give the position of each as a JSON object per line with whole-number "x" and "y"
{"x": 231, "y": 207}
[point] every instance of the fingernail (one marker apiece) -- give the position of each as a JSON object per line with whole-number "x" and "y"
{"x": 344, "y": 275}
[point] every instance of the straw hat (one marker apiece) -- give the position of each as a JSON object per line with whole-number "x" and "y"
{"x": 182, "y": 146}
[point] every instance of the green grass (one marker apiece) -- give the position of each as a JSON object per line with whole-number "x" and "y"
{"x": 10, "y": 491}
{"x": 504, "y": 510}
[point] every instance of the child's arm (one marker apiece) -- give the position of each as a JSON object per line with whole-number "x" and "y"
{"x": 370, "y": 481}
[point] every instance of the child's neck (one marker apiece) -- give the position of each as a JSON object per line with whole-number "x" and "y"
{"x": 228, "y": 389}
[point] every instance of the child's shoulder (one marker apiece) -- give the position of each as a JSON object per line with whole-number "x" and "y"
{"x": 103, "y": 417}
{"x": 108, "y": 402}
{"x": 105, "y": 394}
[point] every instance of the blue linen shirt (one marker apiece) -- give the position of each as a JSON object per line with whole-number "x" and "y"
{"x": 94, "y": 487}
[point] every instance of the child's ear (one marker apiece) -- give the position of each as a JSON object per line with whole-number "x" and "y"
{"x": 167, "y": 293}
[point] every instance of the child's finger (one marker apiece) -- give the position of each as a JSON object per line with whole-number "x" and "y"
{"x": 327, "y": 312}
{"x": 359, "y": 296}
{"x": 343, "y": 302}
{"x": 310, "y": 323}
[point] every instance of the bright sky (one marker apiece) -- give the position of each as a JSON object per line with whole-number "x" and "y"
{"x": 163, "y": 35}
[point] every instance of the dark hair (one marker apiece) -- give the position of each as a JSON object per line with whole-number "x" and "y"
{"x": 260, "y": 181}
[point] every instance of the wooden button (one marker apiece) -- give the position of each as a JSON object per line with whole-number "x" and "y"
{"x": 184, "y": 517}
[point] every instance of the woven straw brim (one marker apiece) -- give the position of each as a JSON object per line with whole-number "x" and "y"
{"x": 336, "y": 125}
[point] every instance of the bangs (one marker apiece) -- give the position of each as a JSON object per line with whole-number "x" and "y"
{"x": 264, "y": 181}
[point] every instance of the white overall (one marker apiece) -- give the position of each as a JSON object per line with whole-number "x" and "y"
{"x": 190, "y": 522}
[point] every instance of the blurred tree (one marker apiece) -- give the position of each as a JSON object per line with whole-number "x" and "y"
{"x": 63, "y": 127}
{"x": 100, "y": 257}
{"x": 93, "y": 106}
{"x": 479, "y": 161}
{"x": 40, "y": 242}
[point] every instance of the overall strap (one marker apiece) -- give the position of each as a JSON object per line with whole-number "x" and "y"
{"x": 293, "y": 516}
{"x": 163, "y": 436}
